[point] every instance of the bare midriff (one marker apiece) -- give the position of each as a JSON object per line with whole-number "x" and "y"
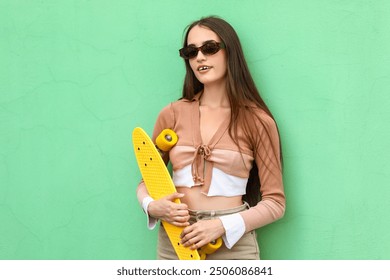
{"x": 196, "y": 200}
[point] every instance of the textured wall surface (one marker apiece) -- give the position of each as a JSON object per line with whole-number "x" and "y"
{"x": 77, "y": 76}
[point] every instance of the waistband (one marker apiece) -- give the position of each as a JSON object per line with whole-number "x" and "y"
{"x": 197, "y": 215}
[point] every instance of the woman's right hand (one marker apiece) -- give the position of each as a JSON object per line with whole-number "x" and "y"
{"x": 167, "y": 210}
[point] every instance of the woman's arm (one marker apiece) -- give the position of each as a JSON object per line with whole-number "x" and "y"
{"x": 163, "y": 208}
{"x": 273, "y": 202}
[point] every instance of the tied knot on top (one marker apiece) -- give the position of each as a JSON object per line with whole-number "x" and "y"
{"x": 204, "y": 151}
{"x": 199, "y": 172}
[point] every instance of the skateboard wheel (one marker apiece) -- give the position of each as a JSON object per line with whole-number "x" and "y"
{"x": 166, "y": 140}
{"x": 210, "y": 248}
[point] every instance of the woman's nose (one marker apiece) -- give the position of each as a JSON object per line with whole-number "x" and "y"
{"x": 200, "y": 56}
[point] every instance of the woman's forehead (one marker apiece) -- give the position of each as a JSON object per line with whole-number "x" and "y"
{"x": 198, "y": 35}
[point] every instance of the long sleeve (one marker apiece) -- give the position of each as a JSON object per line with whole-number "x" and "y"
{"x": 144, "y": 199}
{"x": 164, "y": 120}
{"x": 273, "y": 202}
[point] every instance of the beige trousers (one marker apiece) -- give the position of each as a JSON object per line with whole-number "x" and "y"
{"x": 245, "y": 249}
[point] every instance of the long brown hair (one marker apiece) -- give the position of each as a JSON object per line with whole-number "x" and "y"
{"x": 242, "y": 92}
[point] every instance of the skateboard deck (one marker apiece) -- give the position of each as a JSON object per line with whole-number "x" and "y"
{"x": 159, "y": 184}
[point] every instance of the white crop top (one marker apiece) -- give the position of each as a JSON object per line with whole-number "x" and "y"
{"x": 222, "y": 184}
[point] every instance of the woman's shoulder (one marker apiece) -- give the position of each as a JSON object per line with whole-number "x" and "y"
{"x": 259, "y": 114}
{"x": 181, "y": 104}
{"x": 175, "y": 108}
{"x": 177, "y": 105}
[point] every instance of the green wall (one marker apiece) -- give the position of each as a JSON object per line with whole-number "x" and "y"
{"x": 77, "y": 76}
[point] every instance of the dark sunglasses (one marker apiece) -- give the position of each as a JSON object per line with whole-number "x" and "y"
{"x": 209, "y": 48}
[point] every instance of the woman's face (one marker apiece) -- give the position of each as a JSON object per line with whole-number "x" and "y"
{"x": 208, "y": 69}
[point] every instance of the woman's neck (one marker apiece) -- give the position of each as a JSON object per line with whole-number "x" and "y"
{"x": 215, "y": 97}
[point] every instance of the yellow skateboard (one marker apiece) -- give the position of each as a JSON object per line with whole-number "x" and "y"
{"x": 159, "y": 184}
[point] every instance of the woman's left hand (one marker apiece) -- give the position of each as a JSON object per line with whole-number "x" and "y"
{"x": 201, "y": 233}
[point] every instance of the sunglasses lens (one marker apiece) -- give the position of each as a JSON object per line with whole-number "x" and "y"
{"x": 210, "y": 48}
{"x": 188, "y": 52}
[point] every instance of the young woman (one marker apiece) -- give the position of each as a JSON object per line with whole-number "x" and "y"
{"x": 227, "y": 163}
